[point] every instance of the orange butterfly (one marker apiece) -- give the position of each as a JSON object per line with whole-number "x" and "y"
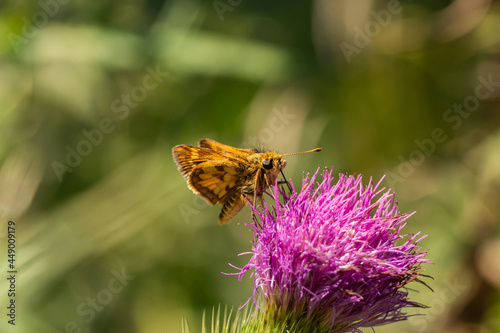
{"x": 226, "y": 175}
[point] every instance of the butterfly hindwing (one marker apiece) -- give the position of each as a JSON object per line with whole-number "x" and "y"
{"x": 214, "y": 179}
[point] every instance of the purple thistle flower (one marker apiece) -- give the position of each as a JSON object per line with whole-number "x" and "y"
{"x": 332, "y": 255}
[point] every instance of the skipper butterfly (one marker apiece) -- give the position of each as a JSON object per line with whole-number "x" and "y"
{"x": 227, "y": 175}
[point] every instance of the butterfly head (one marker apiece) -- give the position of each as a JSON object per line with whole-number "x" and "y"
{"x": 272, "y": 162}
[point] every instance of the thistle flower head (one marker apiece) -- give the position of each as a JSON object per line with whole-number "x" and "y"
{"x": 333, "y": 255}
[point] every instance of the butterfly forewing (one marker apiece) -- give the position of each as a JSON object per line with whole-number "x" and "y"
{"x": 217, "y": 146}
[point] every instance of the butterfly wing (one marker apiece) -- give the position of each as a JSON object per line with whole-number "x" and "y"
{"x": 214, "y": 179}
{"x": 217, "y": 146}
{"x": 188, "y": 157}
{"x": 209, "y": 173}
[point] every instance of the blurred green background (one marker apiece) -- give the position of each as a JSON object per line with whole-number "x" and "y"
{"x": 93, "y": 96}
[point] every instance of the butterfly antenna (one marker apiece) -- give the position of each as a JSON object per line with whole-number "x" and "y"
{"x": 303, "y": 152}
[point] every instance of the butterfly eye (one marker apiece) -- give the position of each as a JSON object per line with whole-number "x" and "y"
{"x": 267, "y": 164}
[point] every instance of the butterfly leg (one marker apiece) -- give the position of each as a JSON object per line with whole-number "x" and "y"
{"x": 256, "y": 198}
{"x": 285, "y": 182}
